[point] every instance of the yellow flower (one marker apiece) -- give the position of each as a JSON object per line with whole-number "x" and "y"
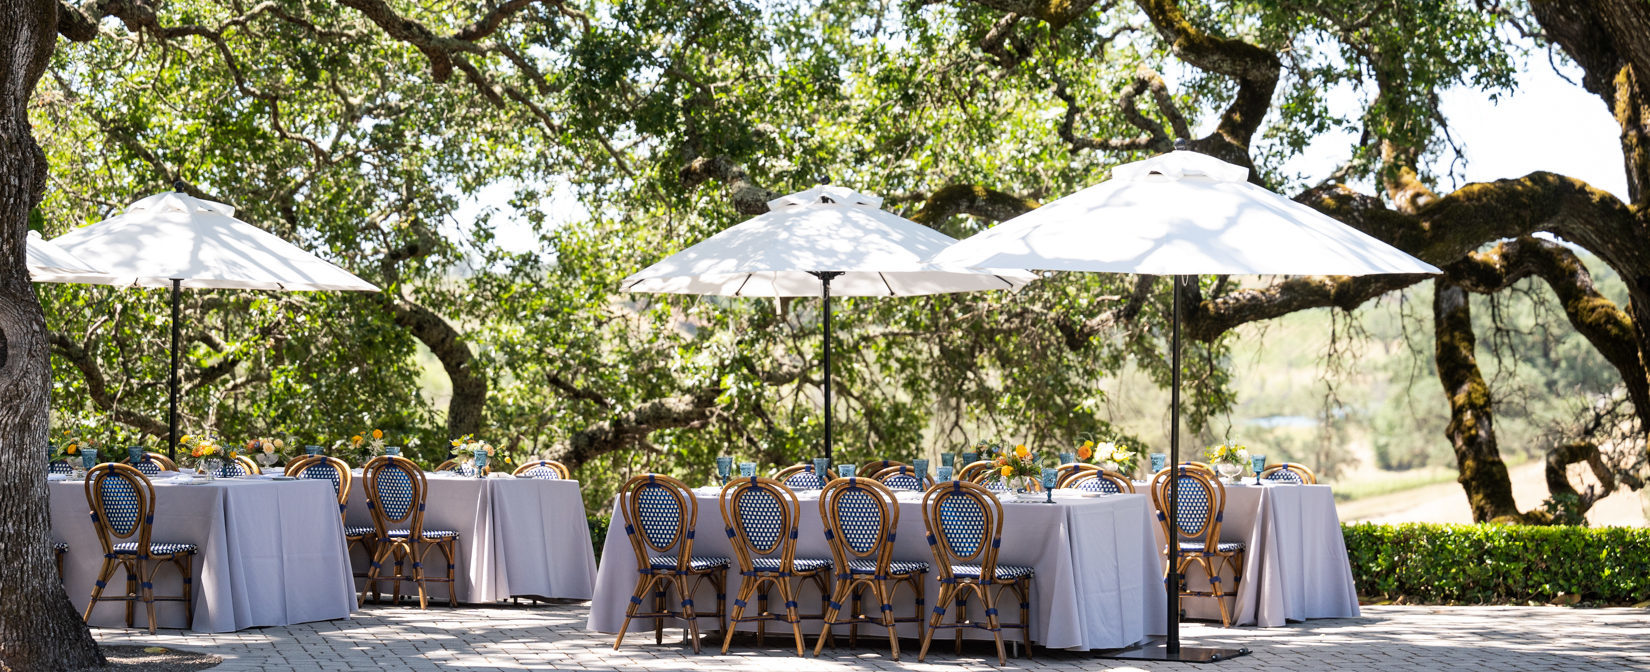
{"x": 356, "y": 440}
{"x": 1022, "y": 451}
{"x": 378, "y": 433}
{"x": 1088, "y": 444}
{"x": 1119, "y": 455}
{"x": 1008, "y": 471}
{"x": 72, "y": 449}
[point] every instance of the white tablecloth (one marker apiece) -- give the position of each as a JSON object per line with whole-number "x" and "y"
{"x": 270, "y": 553}
{"x": 516, "y": 537}
{"x": 1294, "y": 564}
{"x": 1094, "y": 568}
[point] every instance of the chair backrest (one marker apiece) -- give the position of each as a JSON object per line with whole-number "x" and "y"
{"x": 123, "y": 505}
{"x": 972, "y": 470}
{"x": 903, "y": 478}
{"x": 760, "y": 515}
{"x": 860, "y": 519}
{"x": 1289, "y": 472}
{"x": 875, "y": 466}
{"x": 462, "y": 467}
{"x": 1109, "y": 482}
{"x": 548, "y": 469}
{"x": 395, "y": 489}
{"x": 322, "y": 467}
{"x": 659, "y": 517}
{"x": 802, "y": 476}
{"x": 59, "y": 467}
{"x": 965, "y": 525}
{"x": 1200, "y": 504}
{"x": 1070, "y": 472}
{"x": 242, "y": 466}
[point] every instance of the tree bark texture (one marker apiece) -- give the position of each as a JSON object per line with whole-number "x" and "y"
{"x": 1471, "y": 427}
{"x": 39, "y": 628}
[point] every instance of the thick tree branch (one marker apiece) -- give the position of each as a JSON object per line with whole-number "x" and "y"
{"x": 97, "y": 387}
{"x": 748, "y": 198}
{"x": 1256, "y": 71}
{"x": 973, "y": 200}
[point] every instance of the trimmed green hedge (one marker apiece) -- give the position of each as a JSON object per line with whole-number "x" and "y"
{"x": 1479, "y": 564}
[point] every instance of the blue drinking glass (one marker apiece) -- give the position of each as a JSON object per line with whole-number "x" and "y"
{"x": 747, "y": 469}
{"x": 1159, "y": 462}
{"x": 948, "y": 460}
{"x": 724, "y": 466}
{"x": 481, "y": 462}
{"x": 1068, "y": 458}
{"x": 1049, "y": 476}
{"x": 1257, "y": 463}
{"x": 822, "y": 468}
{"x": 312, "y": 450}
{"x": 970, "y": 458}
{"x": 921, "y": 467}
{"x": 846, "y": 470}
{"x": 88, "y": 458}
{"x": 134, "y": 455}
{"x": 945, "y": 473}
{"x": 392, "y": 450}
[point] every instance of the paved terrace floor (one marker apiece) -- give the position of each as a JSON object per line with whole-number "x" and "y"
{"x": 552, "y": 636}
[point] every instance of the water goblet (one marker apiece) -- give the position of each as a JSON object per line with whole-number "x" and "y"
{"x": 724, "y": 466}
{"x": 945, "y": 473}
{"x": 846, "y": 470}
{"x": 1159, "y": 462}
{"x": 1258, "y": 463}
{"x": 747, "y": 469}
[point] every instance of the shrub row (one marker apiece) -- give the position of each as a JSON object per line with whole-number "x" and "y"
{"x": 1482, "y": 564}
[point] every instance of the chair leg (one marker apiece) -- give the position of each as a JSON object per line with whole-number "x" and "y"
{"x": 838, "y": 595}
{"x": 400, "y": 571}
{"x": 103, "y": 575}
{"x": 643, "y": 585}
{"x": 917, "y": 587}
{"x": 686, "y": 600}
{"x": 885, "y": 592}
{"x": 1213, "y": 570}
{"x": 935, "y": 619}
{"x": 188, "y": 572}
{"x": 148, "y": 588}
{"x": 418, "y": 551}
{"x": 374, "y": 570}
{"x": 133, "y": 593}
{"x": 957, "y": 619}
{"x": 855, "y": 613}
{"x": 659, "y": 608}
{"x": 991, "y": 621}
{"x": 1022, "y": 589}
{"x": 746, "y": 589}
{"x": 788, "y": 593}
{"x": 762, "y": 625}
{"x": 449, "y": 550}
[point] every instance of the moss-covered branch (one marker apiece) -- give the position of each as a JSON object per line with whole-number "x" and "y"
{"x": 974, "y": 200}
{"x": 1472, "y": 422}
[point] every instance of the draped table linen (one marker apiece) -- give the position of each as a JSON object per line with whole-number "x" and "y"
{"x": 516, "y": 536}
{"x": 1095, "y": 567}
{"x": 270, "y": 553}
{"x": 1295, "y": 565}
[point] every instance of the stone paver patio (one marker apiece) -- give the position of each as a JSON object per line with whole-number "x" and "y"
{"x": 553, "y": 637}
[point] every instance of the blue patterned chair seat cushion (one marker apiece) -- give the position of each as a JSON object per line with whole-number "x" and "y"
{"x": 62, "y": 547}
{"x": 1285, "y": 476}
{"x": 398, "y": 534}
{"x": 797, "y": 564}
{"x": 148, "y": 467}
{"x": 868, "y": 566}
{"x": 1004, "y": 572}
{"x": 696, "y": 563}
{"x": 359, "y": 531}
{"x": 1222, "y": 547}
{"x": 60, "y": 467}
{"x": 155, "y": 548}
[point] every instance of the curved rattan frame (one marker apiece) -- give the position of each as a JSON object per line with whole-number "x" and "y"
{"x": 1300, "y": 470}
{"x": 875, "y": 466}
{"x": 166, "y": 463}
{"x": 562, "y": 472}
{"x": 971, "y": 471}
{"x": 457, "y": 465}
{"x": 784, "y": 475}
{"x": 781, "y": 579}
{"x": 882, "y": 582}
{"x": 1209, "y": 556}
{"x": 140, "y": 574}
{"x": 1124, "y": 485}
{"x": 954, "y": 590}
{"x": 925, "y": 481}
{"x": 413, "y": 547}
{"x": 1071, "y": 470}
{"x": 653, "y": 579}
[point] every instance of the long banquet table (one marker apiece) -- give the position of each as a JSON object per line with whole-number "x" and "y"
{"x": 1096, "y": 567}
{"x": 270, "y": 553}
{"x": 516, "y": 536}
{"x": 1295, "y": 565}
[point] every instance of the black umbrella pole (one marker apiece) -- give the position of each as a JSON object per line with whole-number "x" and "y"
{"x": 172, "y": 416}
{"x": 825, "y": 292}
{"x": 1173, "y": 584}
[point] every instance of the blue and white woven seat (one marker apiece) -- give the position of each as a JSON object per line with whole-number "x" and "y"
{"x": 894, "y": 567}
{"x": 1004, "y": 572}
{"x": 61, "y": 467}
{"x": 156, "y": 548}
{"x": 360, "y": 531}
{"x": 798, "y": 564}
{"x": 428, "y": 533}
{"x": 695, "y": 563}
{"x": 61, "y": 547}
{"x": 1223, "y": 547}
{"x": 396, "y": 491}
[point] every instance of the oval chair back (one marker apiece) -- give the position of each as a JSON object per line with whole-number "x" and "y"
{"x": 971, "y": 471}
{"x": 1070, "y": 471}
{"x": 123, "y": 506}
{"x": 965, "y": 526}
{"x": 802, "y": 476}
{"x": 322, "y": 467}
{"x": 1109, "y": 482}
{"x": 761, "y": 518}
{"x": 1200, "y": 503}
{"x": 1289, "y": 472}
{"x": 860, "y": 519}
{"x": 903, "y": 478}
{"x": 395, "y": 490}
{"x": 875, "y": 466}
{"x": 545, "y": 469}
{"x": 238, "y": 466}
{"x": 463, "y": 467}
{"x": 59, "y": 467}
{"x": 659, "y": 516}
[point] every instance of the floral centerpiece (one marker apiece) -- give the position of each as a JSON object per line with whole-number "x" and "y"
{"x": 1019, "y": 469}
{"x": 206, "y": 453}
{"x": 1118, "y": 457}
{"x": 72, "y": 449}
{"x": 474, "y": 452}
{"x": 1228, "y": 459}
{"x": 369, "y": 444}
{"x": 265, "y": 450}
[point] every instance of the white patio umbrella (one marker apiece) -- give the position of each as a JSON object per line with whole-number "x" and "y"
{"x": 819, "y": 242}
{"x": 175, "y": 240}
{"x": 1180, "y": 214}
{"x": 49, "y": 263}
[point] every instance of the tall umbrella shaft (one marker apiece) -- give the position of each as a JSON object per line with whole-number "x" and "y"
{"x": 172, "y": 416}
{"x": 825, "y": 292}
{"x": 1174, "y": 463}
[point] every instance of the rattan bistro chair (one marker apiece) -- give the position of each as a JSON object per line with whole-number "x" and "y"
{"x": 972, "y": 470}
{"x": 965, "y": 529}
{"x": 761, "y": 517}
{"x": 151, "y": 464}
{"x": 1200, "y": 504}
{"x": 1109, "y": 482}
{"x": 861, "y": 517}
{"x": 395, "y": 490}
{"x": 1289, "y": 472}
{"x": 802, "y": 476}
{"x": 903, "y": 478}
{"x": 659, "y": 517}
{"x": 1071, "y": 471}
{"x": 546, "y": 469}
{"x": 123, "y": 507}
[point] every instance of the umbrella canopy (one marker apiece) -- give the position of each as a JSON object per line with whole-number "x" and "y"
{"x": 823, "y": 229}
{"x": 49, "y": 263}
{"x": 174, "y": 236}
{"x": 1181, "y": 213}
{"x": 818, "y": 242}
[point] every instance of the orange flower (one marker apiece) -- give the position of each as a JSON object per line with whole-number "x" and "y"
{"x": 1022, "y": 451}
{"x": 72, "y": 449}
{"x": 1085, "y": 452}
{"x": 378, "y": 433}
{"x": 356, "y": 439}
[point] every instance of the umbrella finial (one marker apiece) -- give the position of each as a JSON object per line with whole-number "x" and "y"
{"x": 1180, "y": 144}
{"x": 179, "y": 186}
{"x": 824, "y": 179}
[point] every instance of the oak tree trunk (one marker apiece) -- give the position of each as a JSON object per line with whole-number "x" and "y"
{"x": 39, "y": 629}
{"x": 1471, "y": 426}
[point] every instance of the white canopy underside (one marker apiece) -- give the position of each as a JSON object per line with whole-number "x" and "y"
{"x": 1160, "y": 224}
{"x": 175, "y": 236}
{"x": 877, "y": 253}
{"x": 49, "y": 263}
